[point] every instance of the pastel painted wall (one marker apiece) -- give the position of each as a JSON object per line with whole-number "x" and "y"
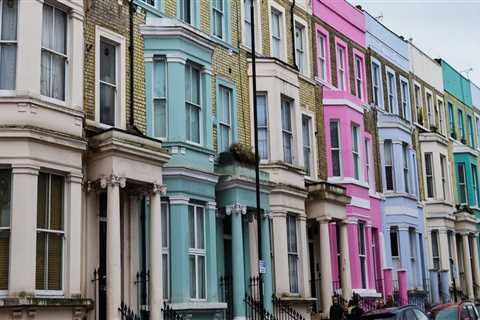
{"x": 386, "y": 43}
{"x": 343, "y": 17}
{"x": 468, "y": 160}
{"x": 456, "y": 84}
{"x": 425, "y": 68}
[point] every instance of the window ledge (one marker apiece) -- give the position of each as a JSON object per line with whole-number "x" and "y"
{"x": 59, "y": 302}
{"x": 198, "y": 305}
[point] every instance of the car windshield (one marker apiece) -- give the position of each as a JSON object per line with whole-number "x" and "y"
{"x": 447, "y": 314}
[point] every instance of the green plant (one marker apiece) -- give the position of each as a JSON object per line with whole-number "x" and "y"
{"x": 243, "y": 153}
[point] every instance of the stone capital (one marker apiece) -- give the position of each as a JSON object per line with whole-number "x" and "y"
{"x": 236, "y": 208}
{"x": 159, "y": 189}
{"x": 211, "y": 205}
{"x": 113, "y": 180}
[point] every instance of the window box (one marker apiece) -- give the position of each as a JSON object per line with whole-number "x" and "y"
{"x": 238, "y": 153}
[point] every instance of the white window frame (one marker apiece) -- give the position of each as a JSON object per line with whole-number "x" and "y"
{"x": 305, "y": 63}
{"x": 224, "y": 124}
{"x": 336, "y": 149}
{"x": 431, "y": 176}
{"x": 308, "y": 147}
{"x": 362, "y": 235}
{"x": 379, "y": 86}
{"x": 15, "y": 42}
{"x": 54, "y": 293}
{"x": 392, "y": 95}
{"x": 434, "y": 235}
{"x": 471, "y": 131}
{"x": 266, "y": 127}
{"x": 276, "y": 9}
{"x": 405, "y": 98}
{"x": 258, "y": 26}
{"x": 412, "y": 235}
{"x": 463, "y": 185}
{"x": 340, "y": 53}
{"x": 192, "y": 65}
{"x": 356, "y": 154}
{"x": 198, "y": 252}
{"x": 120, "y": 109}
{"x": 358, "y": 70}
{"x": 321, "y": 55}
{"x": 444, "y": 175}
{"x": 294, "y": 254}
{"x": 286, "y": 132}
{"x": 154, "y": 98}
{"x": 430, "y": 111}
{"x": 406, "y": 167}
{"x": 441, "y": 116}
{"x": 392, "y": 165}
{"x": 166, "y": 249}
{"x": 418, "y": 102}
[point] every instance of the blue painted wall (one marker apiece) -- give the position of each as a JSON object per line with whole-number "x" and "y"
{"x": 456, "y": 84}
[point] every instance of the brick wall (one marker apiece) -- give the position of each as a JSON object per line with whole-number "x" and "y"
{"x": 114, "y": 16}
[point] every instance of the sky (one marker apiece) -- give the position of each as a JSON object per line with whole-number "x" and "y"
{"x": 443, "y": 29}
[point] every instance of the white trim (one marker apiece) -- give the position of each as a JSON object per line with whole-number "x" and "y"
{"x": 381, "y": 98}
{"x": 407, "y": 99}
{"x": 392, "y": 109}
{"x": 359, "y": 202}
{"x": 428, "y": 124}
{"x": 396, "y": 210}
{"x": 120, "y": 105}
{"x": 342, "y": 103}
{"x": 258, "y": 25}
{"x": 282, "y": 26}
{"x": 306, "y": 44}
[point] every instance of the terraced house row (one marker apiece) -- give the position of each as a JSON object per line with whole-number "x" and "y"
{"x": 127, "y": 172}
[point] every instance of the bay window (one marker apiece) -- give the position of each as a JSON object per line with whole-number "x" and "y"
{"x": 356, "y": 151}
{"x": 287, "y": 131}
{"x": 50, "y": 232}
{"x": 392, "y": 92}
{"x": 377, "y": 84}
{"x": 300, "y": 47}
{"x": 276, "y": 33}
{"x": 192, "y": 102}
{"x": 108, "y": 82}
{"x": 359, "y": 76}
{"x": 54, "y": 52}
{"x": 8, "y": 44}
{"x": 406, "y": 167}
{"x": 429, "y": 176}
{"x": 335, "y": 148}
{"x": 362, "y": 252}
{"x": 197, "y": 252}
{"x": 322, "y": 56}
{"x": 159, "y": 98}
{"x": 262, "y": 120}
{"x": 5, "y": 211}
{"x": 341, "y": 73}
{"x": 462, "y": 180}
{"x": 443, "y": 164}
{"x": 307, "y": 145}
{"x": 292, "y": 252}
{"x": 224, "y": 108}
{"x": 218, "y": 16}
{"x": 388, "y": 165}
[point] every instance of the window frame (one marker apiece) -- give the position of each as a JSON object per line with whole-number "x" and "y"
{"x": 342, "y": 68}
{"x": 434, "y": 235}
{"x": 358, "y": 63}
{"x": 47, "y": 231}
{"x": 392, "y": 95}
{"x": 222, "y": 85}
{"x": 444, "y": 175}
{"x": 266, "y": 128}
{"x": 301, "y": 51}
{"x": 356, "y": 154}
{"x": 53, "y": 53}
{"x": 418, "y": 103}
{"x": 322, "y": 59}
{"x": 362, "y": 252}
{"x": 380, "y": 103}
{"x": 223, "y": 12}
{"x": 278, "y": 12}
{"x": 288, "y": 132}
{"x": 405, "y": 98}
{"x": 163, "y": 60}
{"x": 406, "y": 168}
{"x": 294, "y": 254}
{"x": 462, "y": 185}
{"x": 11, "y": 43}
{"x": 429, "y": 176}
{"x": 431, "y": 121}
{"x": 441, "y": 116}
{"x": 193, "y": 12}
{"x": 461, "y": 123}
{"x": 120, "y": 109}
{"x": 336, "y": 149}
{"x": 470, "y": 131}
{"x": 474, "y": 170}
{"x": 190, "y": 105}
{"x": 451, "y": 120}
{"x": 197, "y": 252}
{"x": 391, "y": 165}
{"x": 9, "y": 177}
{"x": 166, "y": 248}
{"x": 308, "y": 147}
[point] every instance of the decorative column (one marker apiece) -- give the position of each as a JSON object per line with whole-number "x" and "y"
{"x": 475, "y": 265}
{"x": 156, "y": 274}
{"x": 467, "y": 265}
{"x": 443, "y": 250}
{"x": 346, "y": 278}
{"x": 266, "y": 257}
{"x": 179, "y": 249}
{"x": 388, "y": 283}
{"x": 23, "y": 234}
{"x": 444, "y": 286}
{"x": 238, "y": 269}
{"x": 114, "y": 262}
{"x": 404, "y": 240}
{"x": 326, "y": 289}
{"x": 211, "y": 241}
{"x": 434, "y": 286}
{"x": 403, "y": 286}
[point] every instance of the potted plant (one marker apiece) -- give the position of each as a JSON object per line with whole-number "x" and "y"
{"x": 240, "y": 153}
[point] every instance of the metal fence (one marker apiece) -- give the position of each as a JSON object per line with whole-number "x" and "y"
{"x": 283, "y": 311}
{"x": 170, "y": 314}
{"x": 226, "y": 295}
{"x": 126, "y": 313}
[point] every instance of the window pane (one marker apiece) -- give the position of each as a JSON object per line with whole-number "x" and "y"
{"x": 55, "y": 256}
{"x": 201, "y": 278}
{"x": 107, "y": 63}
{"x": 224, "y": 138}
{"x": 195, "y": 124}
{"x": 165, "y": 225}
{"x": 200, "y": 228}
{"x": 293, "y": 272}
{"x": 336, "y": 171}
{"x": 193, "y": 278}
{"x": 42, "y": 201}
{"x": 5, "y": 195}
{"x": 107, "y": 104}
{"x": 9, "y": 20}
{"x": 8, "y": 62}
{"x": 40, "y": 267}
{"x": 60, "y": 40}
{"x": 263, "y": 143}
{"x": 46, "y": 70}
{"x": 58, "y": 77}
{"x": 191, "y": 226}
{"x": 160, "y": 118}
{"x": 195, "y": 86}
{"x": 47, "y": 28}
{"x": 4, "y": 258}
{"x": 262, "y": 110}
{"x": 291, "y": 233}
{"x": 334, "y": 138}
{"x": 56, "y": 203}
{"x": 394, "y": 242}
{"x": 166, "y": 271}
{"x": 159, "y": 83}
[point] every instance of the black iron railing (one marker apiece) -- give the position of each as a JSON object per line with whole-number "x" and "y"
{"x": 170, "y": 314}
{"x": 226, "y": 295}
{"x": 254, "y": 311}
{"x": 126, "y": 313}
{"x": 283, "y": 311}
{"x": 254, "y": 285}
{"x": 419, "y": 299}
{"x": 368, "y": 303}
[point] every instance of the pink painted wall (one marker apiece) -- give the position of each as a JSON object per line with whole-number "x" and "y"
{"x": 343, "y": 17}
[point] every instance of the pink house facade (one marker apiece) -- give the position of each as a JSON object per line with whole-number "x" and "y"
{"x": 340, "y": 66}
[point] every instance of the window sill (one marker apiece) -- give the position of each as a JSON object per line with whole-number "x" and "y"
{"x": 29, "y": 302}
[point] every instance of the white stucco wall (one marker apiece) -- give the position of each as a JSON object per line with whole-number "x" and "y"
{"x": 425, "y": 67}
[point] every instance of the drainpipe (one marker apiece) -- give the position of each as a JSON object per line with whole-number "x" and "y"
{"x": 292, "y": 21}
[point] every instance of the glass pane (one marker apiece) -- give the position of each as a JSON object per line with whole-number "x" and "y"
{"x": 336, "y": 163}
{"x": 8, "y": 62}
{"x": 165, "y": 270}
{"x": 286, "y": 116}
{"x": 287, "y": 147}
{"x": 388, "y": 152}
{"x": 4, "y": 258}
{"x": 159, "y": 83}
{"x": 191, "y": 226}
{"x": 42, "y": 201}
{"x": 5, "y": 196}
{"x": 56, "y": 203}
{"x": 46, "y": 70}
{"x": 193, "y": 278}
{"x": 195, "y": 86}
{"x": 58, "y": 77}
{"x": 60, "y": 40}
{"x": 195, "y": 125}
{"x": 224, "y": 138}
{"x": 160, "y": 118}
{"x": 165, "y": 226}
{"x": 306, "y": 131}
{"x": 201, "y": 278}
{"x": 262, "y": 110}
{"x": 40, "y": 261}
{"x": 218, "y": 21}
{"x": 291, "y": 233}
{"x": 263, "y": 143}
{"x": 200, "y": 228}
{"x": 107, "y": 104}
{"x": 9, "y": 20}
{"x": 55, "y": 257}
{"x": 47, "y": 28}
{"x": 188, "y": 83}
{"x": 293, "y": 273}
{"x": 107, "y": 63}
{"x": 334, "y": 138}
